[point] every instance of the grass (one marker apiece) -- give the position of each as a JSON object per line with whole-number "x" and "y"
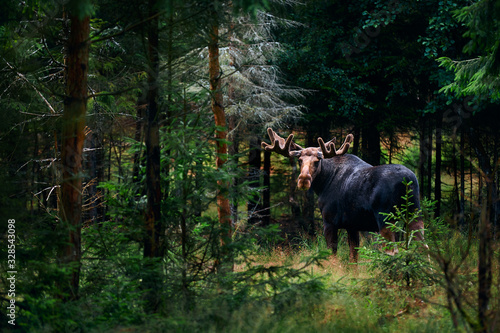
{"x": 350, "y": 298}
{"x": 352, "y": 301}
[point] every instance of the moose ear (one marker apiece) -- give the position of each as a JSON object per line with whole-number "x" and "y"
{"x": 296, "y": 153}
{"x": 320, "y": 155}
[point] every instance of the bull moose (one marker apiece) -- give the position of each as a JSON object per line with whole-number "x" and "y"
{"x": 352, "y": 194}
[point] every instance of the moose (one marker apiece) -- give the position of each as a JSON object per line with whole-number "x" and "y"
{"x": 352, "y": 194}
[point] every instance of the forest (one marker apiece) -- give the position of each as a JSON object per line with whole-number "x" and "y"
{"x": 138, "y": 195}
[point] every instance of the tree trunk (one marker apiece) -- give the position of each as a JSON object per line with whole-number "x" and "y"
{"x": 73, "y": 137}
{"x": 254, "y": 162}
{"x": 151, "y": 280}
{"x": 437, "y": 181}
{"x": 141, "y": 108}
{"x": 484, "y": 234}
{"x": 428, "y": 147}
{"x": 223, "y": 207}
{"x": 266, "y": 195}
{"x": 456, "y": 191}
{"x": 153, "y": 187}
{"x": 462, "y": 179}
{"x": 370, "y": 145}
{"x": 422, "y": 159}
{"x": 355, "y": 144}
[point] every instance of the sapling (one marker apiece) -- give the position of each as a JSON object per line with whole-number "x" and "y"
{"x": 403, "y": 260}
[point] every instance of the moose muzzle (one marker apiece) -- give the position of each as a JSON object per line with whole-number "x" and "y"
{"x": 305, "y": 178}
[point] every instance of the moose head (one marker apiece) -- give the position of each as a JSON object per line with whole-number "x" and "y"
{"x": 309, "y": 158}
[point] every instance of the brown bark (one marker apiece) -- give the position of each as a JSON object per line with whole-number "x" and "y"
{"x": 223, "y": 207}
{"x": 73, "y": 137}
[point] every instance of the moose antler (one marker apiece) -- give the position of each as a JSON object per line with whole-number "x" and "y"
{"x": 280, "y": 145}
{"x": 328, "y": 149}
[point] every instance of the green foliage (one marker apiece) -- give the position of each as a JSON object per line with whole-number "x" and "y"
{"x": 480, "y": 74}
{"x": 403, "y": 262}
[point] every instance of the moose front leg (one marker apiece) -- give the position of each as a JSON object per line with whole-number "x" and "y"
{"x": 353, "y": 239}
{"x": 332, "y": 237}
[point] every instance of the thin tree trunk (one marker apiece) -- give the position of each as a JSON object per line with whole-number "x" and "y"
{"x": 34, "y": 169}
{"x": 456, "y": 190}
{"x": 152, "y": 242}
{"x": 422, "y": 158}
{"x": 254, "y": 162}
{"x": 484, "y": 234}
{"x": 391, "y": 142}
{"x": 462, "y": 179}
{"x": 73, "y": 137}
{"x": 370, "y": 145}
{"x": 223, "y": 207}
{"x": 233, "y": 150}
{"x": 153, "y": 187}
{"x": 266, "y": 195}
{"x": 355, "y": 144}
{"x": 437, "y": 180}
{"x": 428, "y": 145}
{"x": 91, "y": 199}
{"x": 495, "y": 189}
{"x": 141, "y": 108}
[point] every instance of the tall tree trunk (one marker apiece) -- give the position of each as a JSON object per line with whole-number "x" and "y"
{"x": 266, "y": 195}
{"x": 391, "y": 144}
{"x": 428, "y": 145}
{"x": 141, "y": 108}
{"x": 370, "y": 145}
{"x": 495, "y": 189}
{"x": 153, "y": 226}
{"x": 357, "y": 137}
{"x": 422, "y": 158}
{"x": 73, "y": 137}
{"x": 153, "y": 187}
{"x": 484, "y": 234}
{"x": 456, "y": 190}
{"x": 223, "y": 207}
{"x": 233, "y": 151}
{"x": 437, "y": 180}
{"x": 462, "y": 178}
{"x": 254, "y": 162}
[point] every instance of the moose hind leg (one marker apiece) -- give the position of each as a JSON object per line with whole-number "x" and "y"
{"x": 353, "y": 239}
{"x": 390, "y": 237}
{"x": 332, "y": 237}
{"x": 419, "y": 235}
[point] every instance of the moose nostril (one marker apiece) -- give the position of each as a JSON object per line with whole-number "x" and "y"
{"x": 305, "y": 178}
